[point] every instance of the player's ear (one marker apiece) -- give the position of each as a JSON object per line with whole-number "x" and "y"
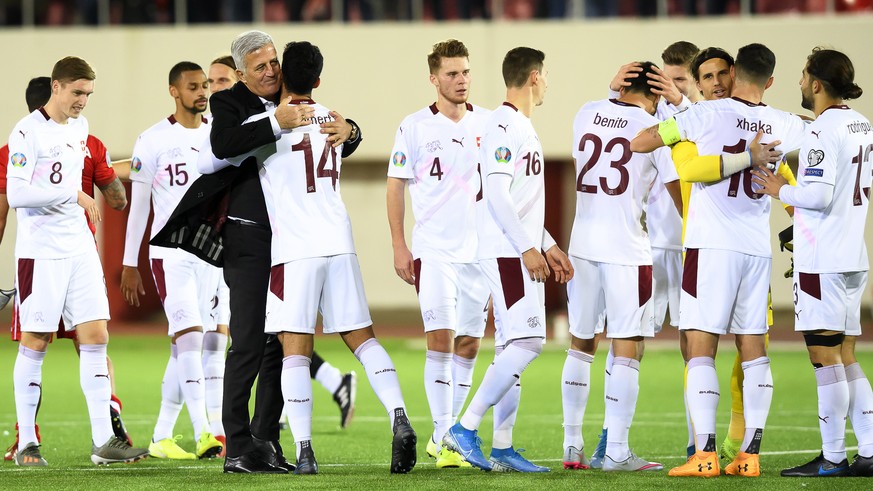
{"x": 733, "y": 72}
{"x": 174, "y": 93}
{"x": 769, "y": 83}
{"x": 433, "y": 80}
{"x": 317, "y": 83}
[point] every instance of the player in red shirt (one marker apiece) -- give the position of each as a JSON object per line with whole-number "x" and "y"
{"x": 98, "y": 170}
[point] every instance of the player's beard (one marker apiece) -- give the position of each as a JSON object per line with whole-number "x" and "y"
{"x": 194, "y": 109}
{"x": 806, "y": 101}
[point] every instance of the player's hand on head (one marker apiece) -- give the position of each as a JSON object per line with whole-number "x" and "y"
{"x": 664, "y": 86}
{"x": 536, "y": 265}
{"x": 90, "y": 207}
{"x": 769, "y": 182}
{"x": 404, "y": 265}
{"x": 293, "y": 116}
{"x": 339, "y": 130}
{"x": 764, "y": 153}
{"x": 560, "y": 264}
{"x": 131, "y": 285}
{"x": 630, "y": 70}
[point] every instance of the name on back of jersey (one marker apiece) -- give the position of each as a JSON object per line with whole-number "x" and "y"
{"x": 607, "y": 122}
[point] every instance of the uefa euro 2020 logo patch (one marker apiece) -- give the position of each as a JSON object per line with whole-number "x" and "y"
{"x": 399, "y": 159}
{"x": 502, "y": 155}
{"x": 18, "y": 160}
{"x": 135, "y": 164}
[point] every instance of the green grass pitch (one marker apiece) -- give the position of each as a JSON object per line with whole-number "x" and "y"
{"x": 358, "y": 456}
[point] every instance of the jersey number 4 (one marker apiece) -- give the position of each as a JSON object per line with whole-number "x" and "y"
{"x": 619, "y": 165}
{"x": 305, "y": 146}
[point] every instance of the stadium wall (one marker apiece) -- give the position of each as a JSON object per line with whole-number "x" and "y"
{"x": 376, "y": 74}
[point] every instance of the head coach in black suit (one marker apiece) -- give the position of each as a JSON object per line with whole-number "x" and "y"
{"x": 254, "y": 447}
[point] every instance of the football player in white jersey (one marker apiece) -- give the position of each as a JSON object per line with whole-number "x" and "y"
{"x": 342, "y": 386}
{"x": 830, "y": 257}
{"x": 612, "y": 187}
{"x": 711, "y": 72}
{"x": 511, "y": 233}
{"x": 163, "y": 166}
{"x": 673, "y": 83}
{"x": 58, "y": 270}
{"x": 728, "y": 237}
{"x": 314, "y": 265}
{"x": 436, "y": 152}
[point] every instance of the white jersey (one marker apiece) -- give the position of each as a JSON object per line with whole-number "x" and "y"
{"x": 50, "y": 157}
{"x": 440, "y": 160}
{"x": 727, "y": 214}
{"x": 837, "y": 151}
{"x": 510, "y": 145}
{"x": 300, "y": 177}
{"x": 165, "y": 157}
{"x": 612, "y": 183}
{"x": 662, "y": 222}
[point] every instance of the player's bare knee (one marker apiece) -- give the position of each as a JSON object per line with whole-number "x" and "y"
{"x": 588, "y": 346}
{"x": 847, "y": 350}
{"x": 467, "y": 346}
{"x": 440, "y": 340}
{"x": 628, "y": 347}
{"x": 354, "y": 339}
{"x": 824, "y": 347}
{"x": 36, "y": 341}
{"x": 93, "y": 332}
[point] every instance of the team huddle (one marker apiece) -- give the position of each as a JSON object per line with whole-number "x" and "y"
{"x": 672, "y": 204}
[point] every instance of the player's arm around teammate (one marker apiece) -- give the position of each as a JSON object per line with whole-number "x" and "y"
{"x": 831, "y": 261}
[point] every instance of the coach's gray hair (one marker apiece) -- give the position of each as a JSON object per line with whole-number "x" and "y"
{"x": 246, "y": 43}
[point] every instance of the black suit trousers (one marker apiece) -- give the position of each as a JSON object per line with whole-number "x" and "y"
{"x": 252, "y": 352}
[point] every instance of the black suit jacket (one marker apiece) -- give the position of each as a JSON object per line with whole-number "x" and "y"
{"x": 195, "y": 225}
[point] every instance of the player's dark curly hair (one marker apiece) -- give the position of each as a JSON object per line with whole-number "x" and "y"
{"x": 835, "y": 72}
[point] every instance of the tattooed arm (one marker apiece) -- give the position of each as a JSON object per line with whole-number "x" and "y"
{"x": 114, "y": 194}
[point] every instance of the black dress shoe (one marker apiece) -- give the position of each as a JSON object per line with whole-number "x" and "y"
{"x": 306, "y": 463}
{"x": 250, "y": 463}
{"x": 271, "y": 453}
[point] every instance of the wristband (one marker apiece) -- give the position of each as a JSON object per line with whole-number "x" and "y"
{"x": 669, "y": 131}
{"x": 731, "y": 163}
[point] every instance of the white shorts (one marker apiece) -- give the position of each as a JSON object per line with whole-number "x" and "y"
{"x": 519, "y": 302}
{"x": 222, "y": 309}
{"x": 188, "y": 289}
{"x": 71, "y": 288}
{"x": 331, "y": 285}
{"x": 621, "y": 295}
{"x": 666, "y": 281}
{"x": 452, "y": 296}
{"x": 829, "y": 301}
{"x": 724, "y": 292}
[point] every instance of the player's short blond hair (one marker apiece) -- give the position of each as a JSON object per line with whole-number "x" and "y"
{"x": 72, "y": 68}
{"x": 450, "y": 48}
